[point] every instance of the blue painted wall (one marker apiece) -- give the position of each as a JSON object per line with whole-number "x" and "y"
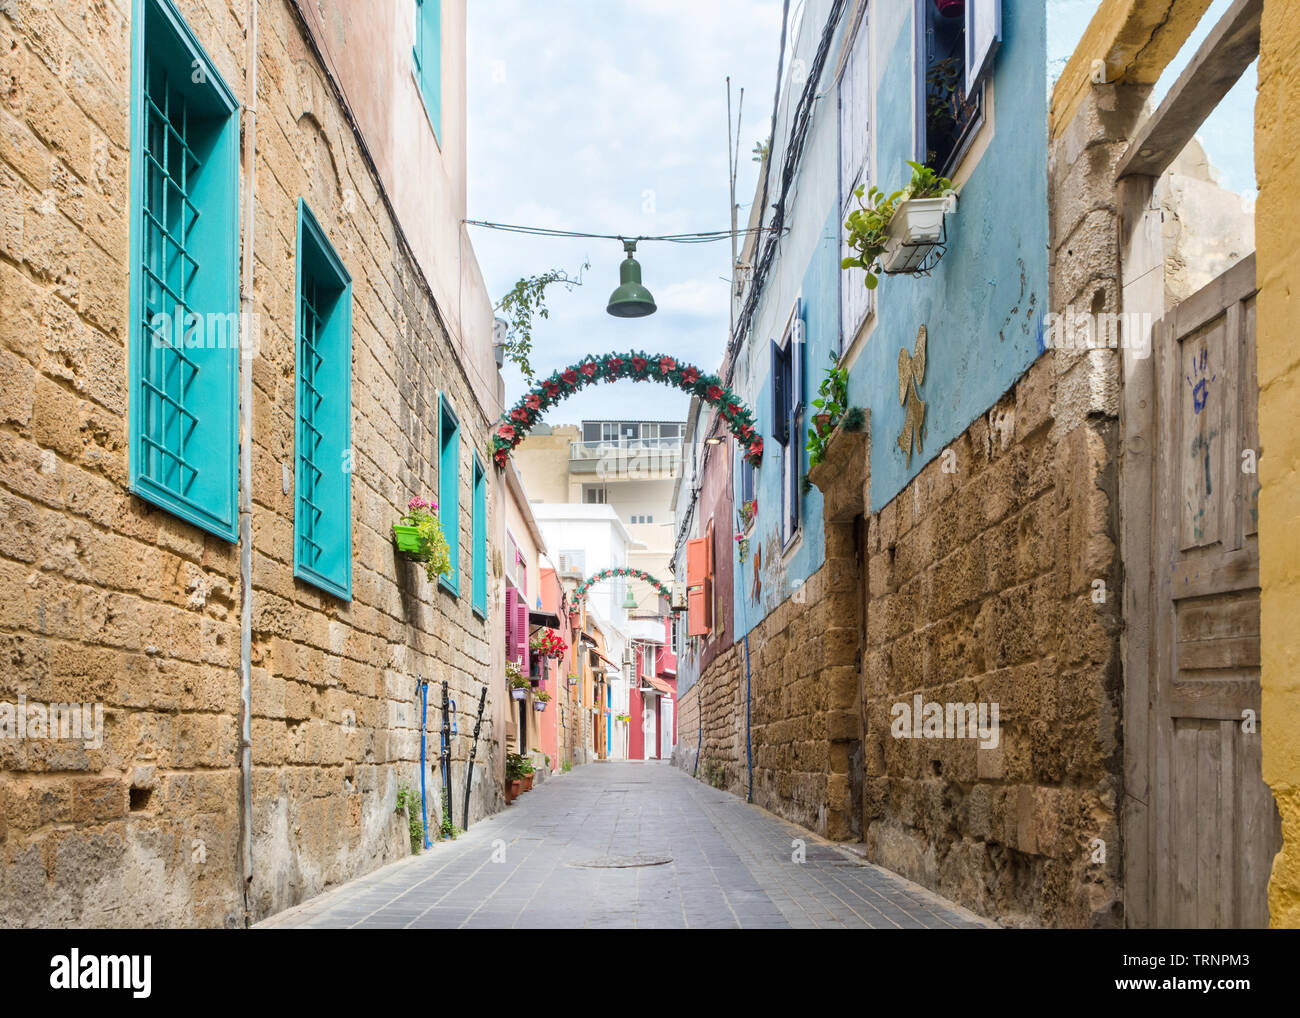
{"x": 820, "y": 290}
{"x": 982, "y": 304}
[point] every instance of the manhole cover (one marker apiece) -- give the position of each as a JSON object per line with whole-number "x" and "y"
{"x": 622, "y": 862}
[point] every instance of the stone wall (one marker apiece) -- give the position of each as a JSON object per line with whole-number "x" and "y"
{"x": 802, "y": 692}
{"x": 982, "y": 591}
{"x": 1277, "y": 118}
{"x": 104, "y": 597}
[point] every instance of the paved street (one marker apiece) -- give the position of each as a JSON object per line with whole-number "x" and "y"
{"x": 629, "y": 844}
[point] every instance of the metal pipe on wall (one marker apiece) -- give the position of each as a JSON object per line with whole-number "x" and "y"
{"x": 246, "y": 348}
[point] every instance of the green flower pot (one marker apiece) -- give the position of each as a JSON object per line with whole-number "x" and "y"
{"x": 408, "y": 539}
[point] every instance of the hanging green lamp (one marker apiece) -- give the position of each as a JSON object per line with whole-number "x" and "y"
{"x": 629, "y": 602}
{"x": 631, "y": 299}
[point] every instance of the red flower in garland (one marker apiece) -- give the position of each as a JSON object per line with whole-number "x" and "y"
{"x": 570, "y": 377}
{"x": 746, "y": 431}
{"x": 588, "y": 368}
{"x": 639, "y": 363}
{"x": 533, "y": 401}
{"x": 501, "y": 456}
{"x": 551, "y": 388}
{"x": 756, "y": 450}
{"x": 733, "y": 410}
{"x": 714, "y": 394}
{"x": 507, "y": 432}
{"x": 690, "y": 376}
{"x": 519, "y": 414}
{"x": 666, "y": 365}
{"x": 614, "y": 364}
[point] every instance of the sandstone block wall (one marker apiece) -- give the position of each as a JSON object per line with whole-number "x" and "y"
{"x": 1276, "y": 115}
{"x": 105, "y": 598}
{"x": 981, "y": 590}
{"x": 802, "y": 713}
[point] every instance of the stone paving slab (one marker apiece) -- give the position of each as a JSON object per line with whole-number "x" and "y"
{"x": 620, "y": 845}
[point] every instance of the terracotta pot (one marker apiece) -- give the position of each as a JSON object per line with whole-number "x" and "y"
{"x": 512, "y": 789}
{"x": 407, "y": 538}
{"x": 823, "y": 423}
{"x": 528, "y": 782}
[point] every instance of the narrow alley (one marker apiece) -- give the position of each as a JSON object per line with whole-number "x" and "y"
{"x": 629, "y": 844}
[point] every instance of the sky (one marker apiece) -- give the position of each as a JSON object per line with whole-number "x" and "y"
{"x": 610, "y": 116}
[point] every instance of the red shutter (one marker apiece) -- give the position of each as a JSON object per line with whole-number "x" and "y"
{"x": 699, "y": 610}
{"x": 697, "y": 561}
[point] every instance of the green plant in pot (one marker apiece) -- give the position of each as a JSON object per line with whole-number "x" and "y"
{"x": 540, "y": 699}
{"x": 831, "y": 403}
{"x": 419, "y": 535}
{"x": 518, "y": 681}
{"x": 868, "y": 224}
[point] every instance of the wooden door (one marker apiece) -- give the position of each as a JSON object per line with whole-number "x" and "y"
{"x": 1210, "y": 829}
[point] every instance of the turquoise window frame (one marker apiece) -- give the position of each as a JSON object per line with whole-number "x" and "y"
{"x": 449, "y": 489}
{"x": 184, "y": 327}
{"x": 427, "y": 57}
{"x": 322, "y": 518}
{"x": 478, "y": 540}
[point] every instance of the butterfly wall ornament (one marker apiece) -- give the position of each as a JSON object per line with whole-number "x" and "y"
{"x": 911, "y": 373}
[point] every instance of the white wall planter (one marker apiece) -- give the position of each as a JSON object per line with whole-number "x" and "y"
{"x": 519, "y": 694}
{"x": 917, "y": 235}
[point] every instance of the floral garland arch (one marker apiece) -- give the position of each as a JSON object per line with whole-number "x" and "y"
{"x": 640, "y": 367}
{"x": 580, "y": 594}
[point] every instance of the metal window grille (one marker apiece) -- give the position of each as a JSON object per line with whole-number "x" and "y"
{"x": 311, "y": 400}
{"x": 169, "y": 422}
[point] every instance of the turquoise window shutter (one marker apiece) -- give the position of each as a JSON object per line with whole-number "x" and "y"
{"x": 184, "y": 286}
{"x": 322, "y": 521}
{"x": 449, "y": 488}
{"x": 428, "y": 59}
{"x": 479, "y": 539}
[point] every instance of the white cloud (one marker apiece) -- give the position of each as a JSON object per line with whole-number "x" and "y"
{"x": 611, "y": 118}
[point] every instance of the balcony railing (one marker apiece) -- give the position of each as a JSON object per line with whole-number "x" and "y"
{"x": 667, "y": 448}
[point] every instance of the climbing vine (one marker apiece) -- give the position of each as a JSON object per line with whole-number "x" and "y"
{"x": 526, "y": 299}
{"x": 633, "y": 574}
{"x": 637, "y": 366}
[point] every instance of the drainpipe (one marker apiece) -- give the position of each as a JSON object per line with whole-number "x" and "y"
{"x": 246, "y": 348}
{"x": 424, "y": 718}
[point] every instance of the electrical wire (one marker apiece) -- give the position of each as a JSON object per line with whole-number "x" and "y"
{"x": 793, "y": 155}
{"x": 704, "y": 237}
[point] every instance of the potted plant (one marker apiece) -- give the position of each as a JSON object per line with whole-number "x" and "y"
{"x": 420, "y": 537}
{"x": 747, "y": 513}
{"x": 540, "y": 699}
{"x": 518, "y": 681}
{"x": 528, "y": 774}
{"x": 514, "y": 776}
{"x": 547, "y": 643}
{"x": 899, "y": 232}
{"x": 831, "y": 403}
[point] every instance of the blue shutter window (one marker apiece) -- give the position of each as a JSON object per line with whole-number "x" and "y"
{"x": 427, "y": 56}
{"x": 449, "y": 489}
{"x": 322, "y": 522}
{"x": 184, "y": 286}
{"x": 479, "y": 539}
